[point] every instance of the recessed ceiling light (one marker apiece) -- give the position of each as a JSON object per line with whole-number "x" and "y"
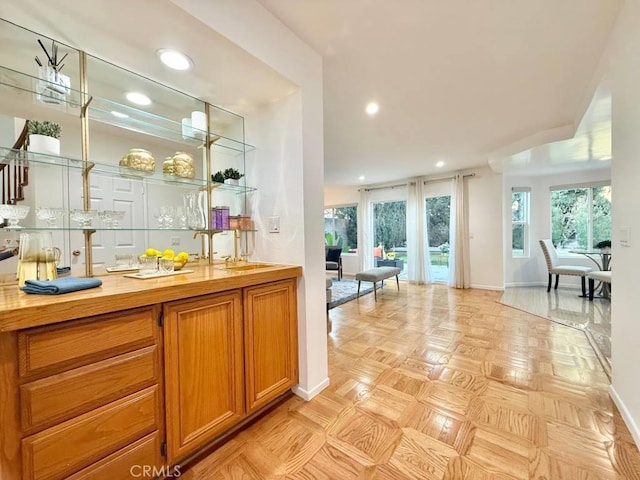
{"x": 361, "y": 177}
{"x": 608, "y": 157}
{"x": 138, "y": 98}
{"x": 119, "y": 115}
{"x": 372, "y": 108}
{"x": 440, "y": 164}
{"x": 174, "y": 59}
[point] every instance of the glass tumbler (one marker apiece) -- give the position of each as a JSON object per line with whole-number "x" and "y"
{"x": 148, "y": 265}
{"x": 166, "y": 265}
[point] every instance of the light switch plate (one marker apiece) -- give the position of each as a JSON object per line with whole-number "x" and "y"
{"x": 274, "y": 224}
{"x": 625, "y": 236}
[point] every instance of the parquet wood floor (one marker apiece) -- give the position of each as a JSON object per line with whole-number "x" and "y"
{"x": 437, "y": 383}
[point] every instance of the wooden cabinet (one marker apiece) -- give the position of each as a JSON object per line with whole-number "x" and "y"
{"x": 270, "y": 341}
{"x": 93, "y": 398}
{"x": 83, "y": 397}
{"x": 203, "y": 370}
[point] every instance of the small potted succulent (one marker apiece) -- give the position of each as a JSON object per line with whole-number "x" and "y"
{"x": 232, "y": 176}
{"x": 217, "y": 177}
{"x": 44, "y": 137}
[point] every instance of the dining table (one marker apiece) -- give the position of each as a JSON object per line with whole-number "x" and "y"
{"x": 602, "y": 259}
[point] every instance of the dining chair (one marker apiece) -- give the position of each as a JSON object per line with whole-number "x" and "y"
{"x": 601, "y": 276}
{"x": 554, "y": 267}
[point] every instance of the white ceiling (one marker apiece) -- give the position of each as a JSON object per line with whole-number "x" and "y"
{"x": 129, "y": 32}
{"x": 461, "y": 81}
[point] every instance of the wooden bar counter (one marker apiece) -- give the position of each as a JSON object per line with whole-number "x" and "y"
{"x": 132, "y": 378}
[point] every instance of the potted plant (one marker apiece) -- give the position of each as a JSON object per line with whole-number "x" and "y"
{"x": 217, "y": 177}
{"x": 232, "y": 175}
{"x": 604, "y": 246}
{"x": 44, "y": 137}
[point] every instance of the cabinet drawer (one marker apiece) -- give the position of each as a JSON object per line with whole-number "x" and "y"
{"x": 60, "y": 397}
{"x": 66, "y": 448}
{"x": 133, "y": 461}
{"x": 53, "y": 349}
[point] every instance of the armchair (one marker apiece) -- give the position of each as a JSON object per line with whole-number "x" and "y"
{"x": 333, "y": 259}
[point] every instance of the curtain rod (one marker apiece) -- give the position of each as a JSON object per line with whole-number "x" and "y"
{"x": 448, "y": 178}
{"x": 382, "y": 188}
{"x": 425, "y": 181}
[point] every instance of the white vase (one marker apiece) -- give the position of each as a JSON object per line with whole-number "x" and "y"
{"x": 231, "y": 181}
{"x": 44, "y": 144}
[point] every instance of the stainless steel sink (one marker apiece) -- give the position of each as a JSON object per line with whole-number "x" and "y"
{"x": 249, "y": 266}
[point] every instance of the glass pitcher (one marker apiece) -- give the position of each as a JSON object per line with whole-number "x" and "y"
{"x": 37, "y": 257}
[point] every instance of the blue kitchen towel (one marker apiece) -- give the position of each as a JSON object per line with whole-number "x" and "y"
{"x": 60, "y": 285}
{"x": 63, "y": 271}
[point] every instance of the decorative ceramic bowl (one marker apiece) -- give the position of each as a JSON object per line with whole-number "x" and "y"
{"x": 138, "y": 162}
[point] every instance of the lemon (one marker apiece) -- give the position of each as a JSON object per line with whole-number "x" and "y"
{"x": 183, "y": 256}
{"x": 158, "y": 253}
{"x": 168, "y": 253}
{"x": 144, "y": 255}
{"x": 150, "y": 252}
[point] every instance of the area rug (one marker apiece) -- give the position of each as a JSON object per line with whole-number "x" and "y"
{"x": 346, "y": 289}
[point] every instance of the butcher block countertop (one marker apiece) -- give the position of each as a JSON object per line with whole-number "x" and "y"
{"x": 19, "y": 310}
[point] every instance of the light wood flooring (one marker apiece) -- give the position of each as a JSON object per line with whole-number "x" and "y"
{"x": 437, "y": 383}
{"x": 567, "y": 307}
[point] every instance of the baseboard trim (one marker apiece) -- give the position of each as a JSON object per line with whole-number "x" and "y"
{"x": 626, "y": 415}
{"x": 525, "y": 284}
{"x": 487, "y": 287}
{"x": 309, "y": 394}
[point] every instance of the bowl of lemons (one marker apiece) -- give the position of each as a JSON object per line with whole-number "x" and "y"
{"x": 179, "y": 260}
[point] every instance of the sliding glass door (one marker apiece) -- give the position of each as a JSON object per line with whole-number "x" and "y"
{"x": 438, "y": 211}
{"x": 390, "y": 235}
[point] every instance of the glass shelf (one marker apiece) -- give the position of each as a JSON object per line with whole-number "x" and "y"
{"x": 25, "y": 158}
{"x": 120, "y": 115}
{"x": 27, "y": 83}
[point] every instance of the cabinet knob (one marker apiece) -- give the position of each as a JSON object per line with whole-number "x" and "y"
{"x": 76, "y": 253}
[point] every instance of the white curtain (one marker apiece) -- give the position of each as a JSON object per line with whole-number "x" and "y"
{"x": 459, "y": 267}
{"x": 365, "y": 241}
{"x": 417, "y": 267}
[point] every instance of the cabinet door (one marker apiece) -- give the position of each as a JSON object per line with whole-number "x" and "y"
{"x": 203, "y": 370}
{"x": 270, "y": 341}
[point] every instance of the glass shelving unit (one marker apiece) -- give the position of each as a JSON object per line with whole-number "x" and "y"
{"x": 94, "y": 97}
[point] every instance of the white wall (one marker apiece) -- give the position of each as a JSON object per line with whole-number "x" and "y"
{"x": 253, "y": 28}
{"x": 531, "y": 270}
{"x": 485, "y": 228}
{"x": 625, "y": 328}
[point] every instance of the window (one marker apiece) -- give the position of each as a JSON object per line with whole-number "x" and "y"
{"x": 580, "y": 217}
{"x": 520, "y": 222}
{"x": 341, "y": 227}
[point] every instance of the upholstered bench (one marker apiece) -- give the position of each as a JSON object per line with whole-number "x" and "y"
{"x": 599, "y": 275}
{"x": 378, "y": 274}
